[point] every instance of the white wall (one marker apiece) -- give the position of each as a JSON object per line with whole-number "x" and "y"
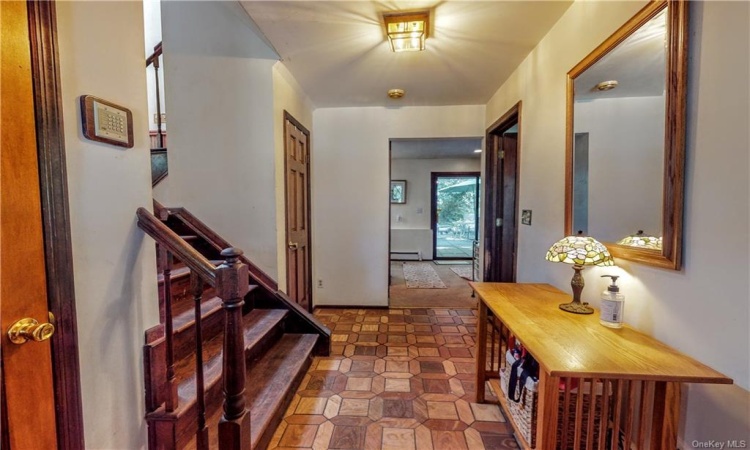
{"x": 350, "y": 202}
{"x": 152, "y": 37}
{"x": 220, "y": 93}
{"x": 626, "y": 165}
{"x": 703, "y": 309}
{"x": 115, "y": 264}
{"x": 418, "y": 176}
{"x": 287, "y": 96}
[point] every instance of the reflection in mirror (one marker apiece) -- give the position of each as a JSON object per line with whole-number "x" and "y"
{"x": 626, "y": 135}
{"x": 619, "y": 139}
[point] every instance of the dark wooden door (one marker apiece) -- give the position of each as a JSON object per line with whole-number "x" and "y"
{"x": 508, "y": 200}
{"x": 28, "y": 400}
{"x": 297, "y": 176}
{"x": 501, "y": 197}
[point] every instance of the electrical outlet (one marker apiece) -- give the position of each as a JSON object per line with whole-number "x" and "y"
{"x": 320, "y": 284}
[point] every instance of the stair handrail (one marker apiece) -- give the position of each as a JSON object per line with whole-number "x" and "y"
{"x": 176, "y": 245}
{"x": 204, "y": 231}
{"x": 231, "y": 280}
{"x": 259, "y": 277}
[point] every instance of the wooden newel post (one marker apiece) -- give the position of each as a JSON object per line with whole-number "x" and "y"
{"x": 232, "y": 285}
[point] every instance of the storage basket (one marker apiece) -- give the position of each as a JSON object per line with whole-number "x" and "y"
{"x": 524, "y": 412}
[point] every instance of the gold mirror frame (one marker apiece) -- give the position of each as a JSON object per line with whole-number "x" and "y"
{"x": 670, "y": 256}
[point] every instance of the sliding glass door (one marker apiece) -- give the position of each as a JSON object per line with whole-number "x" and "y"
{"x": 455, "y": 212}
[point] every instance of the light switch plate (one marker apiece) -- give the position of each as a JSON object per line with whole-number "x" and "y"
{"x": 103, "y": 121}
{"x": 526, "y": 216}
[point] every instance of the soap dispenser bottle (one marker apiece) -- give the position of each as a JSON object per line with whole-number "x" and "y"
{"x": 613, "y": 304}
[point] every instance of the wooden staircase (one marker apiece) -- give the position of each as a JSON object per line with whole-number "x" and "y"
{"x": 230, "y": 349}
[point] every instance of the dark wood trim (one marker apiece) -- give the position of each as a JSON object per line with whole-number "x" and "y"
{"x": 390, "y": 206}
{"x": 494, "y": 197}
{"x": 674, "y": 133}
{"x": 56, "y": 222}
{"x": 306, "y": 132}
{"x": 433, "y": 208}
{"x": 202, "y": 230}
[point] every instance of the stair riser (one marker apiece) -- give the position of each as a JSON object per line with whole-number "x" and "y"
{"x": 183, "y": 427}
{"x": 184, "y": 340}
{"x": 214, "y": 397}
{"x": 182, "y": 297}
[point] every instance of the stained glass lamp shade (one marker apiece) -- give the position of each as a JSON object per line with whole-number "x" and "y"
{"x": 579, "y": 251}
{"x": 641, "y": 240}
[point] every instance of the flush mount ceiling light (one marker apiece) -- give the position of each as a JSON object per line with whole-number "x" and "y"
{"x": 407, "y": 31}
{"x": 606, "y": 85}
{"x": 395, "y": 93}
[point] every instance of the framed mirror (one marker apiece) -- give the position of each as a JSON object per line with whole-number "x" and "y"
{"x": 625, "y": 151}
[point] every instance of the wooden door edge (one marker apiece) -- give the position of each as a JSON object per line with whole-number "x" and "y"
{"x": 56, "y": 220}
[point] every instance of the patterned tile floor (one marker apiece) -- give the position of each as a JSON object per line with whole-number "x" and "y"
{"x": 396, "y": 379}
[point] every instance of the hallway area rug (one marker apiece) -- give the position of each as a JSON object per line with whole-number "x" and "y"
{"x": 464, "y": 272}
{"x": 422, "y": 276}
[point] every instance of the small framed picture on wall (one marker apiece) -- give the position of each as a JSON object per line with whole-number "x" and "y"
{"x": 398, "y": 191}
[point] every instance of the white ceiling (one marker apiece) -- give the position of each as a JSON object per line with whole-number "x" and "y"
{"x": 338, "y": 52}
{"x": 435, "y": 148}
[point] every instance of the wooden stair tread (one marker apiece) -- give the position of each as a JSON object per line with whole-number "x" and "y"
{"x": 281, "y": 369}
{"x": 268, "y": 400}
{"x": 186, "y": 318}
{"x": 257, "y": 324}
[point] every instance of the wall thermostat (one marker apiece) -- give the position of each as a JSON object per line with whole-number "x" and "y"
{"x": 103, "y": 121}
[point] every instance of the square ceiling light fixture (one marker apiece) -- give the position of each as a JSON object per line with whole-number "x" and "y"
{"x": 407, "y": 31}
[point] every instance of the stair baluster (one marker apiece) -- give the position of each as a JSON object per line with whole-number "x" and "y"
{"x": 232, "y": 284}
{"x": 171, "y": 398}
{"x": 201, "y": 435}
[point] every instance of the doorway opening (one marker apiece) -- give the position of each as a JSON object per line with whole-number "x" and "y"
{"x": 501, "y": 197}
{"x": 455, "y": 214}
{"x": 414, "y": 278}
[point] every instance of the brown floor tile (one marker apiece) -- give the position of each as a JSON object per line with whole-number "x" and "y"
{"x": 431, "y": 367}
{"x": 398, "y": 408}
{"x": 498, "y": 441}
{"x": 487, "y": 413}
{"x": 311, "y": 405}
{"x": 298, "y": 436}
{"x": 348, "y": 437}
{"x": 437, "y": 386}
{"x": 399, "y": 439}
{"x": 397, "y": 379}
{"x": 449, "y": 440}
{"x": 397, "y": 385}
{"x": 354, "y": 407}
{"x": 442, "y": 410}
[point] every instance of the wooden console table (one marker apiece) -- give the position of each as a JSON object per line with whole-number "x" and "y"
{"x": 631, "y": 397}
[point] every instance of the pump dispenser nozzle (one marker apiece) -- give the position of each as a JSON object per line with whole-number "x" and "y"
{"x": 612, "y": 287}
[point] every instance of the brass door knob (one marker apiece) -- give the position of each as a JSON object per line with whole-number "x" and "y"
{"x": 293, "y": 245}
{"x": 30, "y": 330}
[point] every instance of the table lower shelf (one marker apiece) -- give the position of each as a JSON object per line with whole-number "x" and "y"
{"x": 503, "y": 402}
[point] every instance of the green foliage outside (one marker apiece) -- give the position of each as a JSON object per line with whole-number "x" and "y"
{"x": 455, "y": 206}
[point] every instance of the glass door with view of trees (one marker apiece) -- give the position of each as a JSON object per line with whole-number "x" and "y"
{"x": 455, "y": 208}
